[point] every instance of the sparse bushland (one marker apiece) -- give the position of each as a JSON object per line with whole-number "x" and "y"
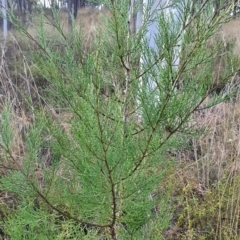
{"x": 97, "y": 144}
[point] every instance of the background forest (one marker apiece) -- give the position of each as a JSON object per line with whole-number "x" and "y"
{"x": 103, "y": 136}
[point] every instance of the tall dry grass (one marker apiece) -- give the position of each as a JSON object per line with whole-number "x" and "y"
{"x": 230, "y": 31}
{"x": 207, "y": 182}
{"x": 206, "y": 178}
{"x": 89, "y": 21}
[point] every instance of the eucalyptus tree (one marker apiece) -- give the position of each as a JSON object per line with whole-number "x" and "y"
{"x": 113, "y": 115}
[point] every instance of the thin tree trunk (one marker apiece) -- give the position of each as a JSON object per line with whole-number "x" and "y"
{"x": 30, "y": 10}
{"x": 4, "y": 13}
{"x": 72, "y": 11}
{"x": 81, "y": 3}
{"x": 132, "y": 17}
{"x": 75, "y": 8}
{"x": 69, "y": 15}
{"x": 24, "y": 13}
{"x": 235, "y": 7}
{"x": 216, "y": 6}
{"x": 19, "y": 5}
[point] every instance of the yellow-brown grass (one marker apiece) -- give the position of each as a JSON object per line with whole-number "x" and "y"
{"x": 89, "y": 22}
{"x": 231, "y": 30}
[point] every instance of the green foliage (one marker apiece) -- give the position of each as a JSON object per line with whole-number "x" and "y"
{"x": 6, "y": 130}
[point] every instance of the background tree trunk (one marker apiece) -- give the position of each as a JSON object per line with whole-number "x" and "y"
{"x": 30, "y": 9}
{"x": 235, "y": 8}
{"x": 69, "y": 15}
{"x": 4, "y": 13}
{"x": 72, "y": 11}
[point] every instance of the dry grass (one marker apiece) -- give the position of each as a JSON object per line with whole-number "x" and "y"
{"x": 89, "y": 22}
{"x": 207, "y": 184}
{"x": 231, "y": 31}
